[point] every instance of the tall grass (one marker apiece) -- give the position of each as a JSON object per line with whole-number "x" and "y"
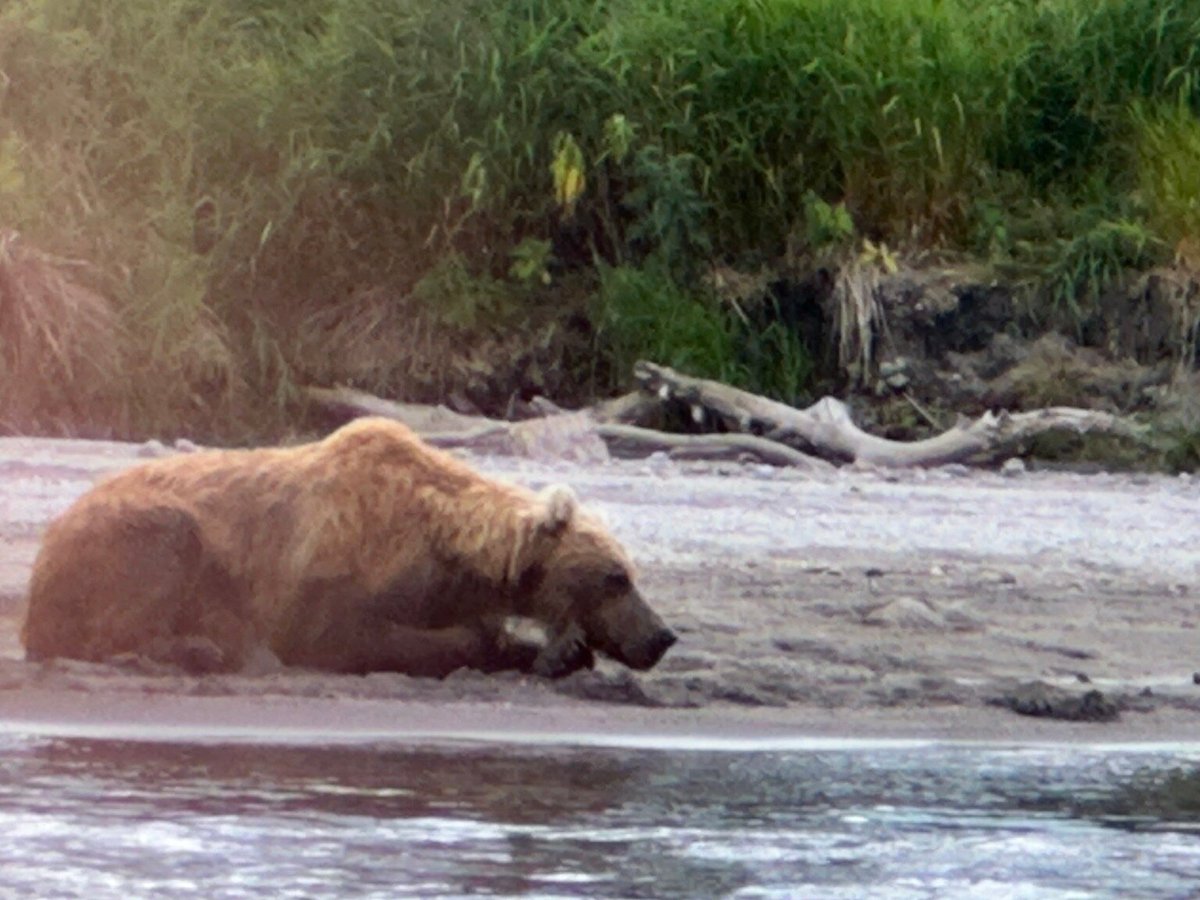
{"x": 1168, "y": 171}
{"x": 59, "y": 362}
{"x": 259, "y": 182}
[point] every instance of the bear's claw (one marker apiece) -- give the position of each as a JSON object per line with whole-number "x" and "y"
{"x": 564, "y": 655}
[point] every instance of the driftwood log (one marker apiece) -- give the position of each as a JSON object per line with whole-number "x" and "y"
{"x": 588, "y": 435}
{"x": 756, "y": 429}
{"x": 827, "y": 430}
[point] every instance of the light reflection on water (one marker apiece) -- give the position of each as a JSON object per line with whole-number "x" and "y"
{"x": 95, "y": 819}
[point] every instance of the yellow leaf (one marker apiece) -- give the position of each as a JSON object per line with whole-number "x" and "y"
{"x": 568, "y": 171}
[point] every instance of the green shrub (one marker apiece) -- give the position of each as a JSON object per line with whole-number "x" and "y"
{"x": 451, "y": 294}
{"x": 826, "y": 227}
{"x": 1092, "y": 261}
{"x": 241, "y": 174}
{"x": 774, "y": 361}
{"x": 643, "y": 314}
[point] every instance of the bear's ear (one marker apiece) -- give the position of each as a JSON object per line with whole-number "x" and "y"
{"x": 558, "y": 505}
{"x": 547, "y": 519}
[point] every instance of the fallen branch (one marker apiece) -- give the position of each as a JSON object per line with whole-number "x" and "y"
{"x": 826, "y": 428}
{"x": 757, "y": 429}
{"x": 561, "y": 435}
{"x": 349, "y": 403}
{"x": 631, "y": 441}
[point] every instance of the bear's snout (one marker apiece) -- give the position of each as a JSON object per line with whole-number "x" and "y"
{"x": 662, "y": 642}
{"x": 653, "y": 649}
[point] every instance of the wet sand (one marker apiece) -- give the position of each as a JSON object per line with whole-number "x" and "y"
{"x": 854, "y": 604}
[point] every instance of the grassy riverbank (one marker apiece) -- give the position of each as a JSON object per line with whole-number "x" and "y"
{"x": 476, "y": 197}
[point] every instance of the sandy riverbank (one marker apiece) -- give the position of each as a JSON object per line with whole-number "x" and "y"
{"x": 857, "y": 604}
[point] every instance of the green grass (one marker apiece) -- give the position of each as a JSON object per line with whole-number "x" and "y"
{"x": 642, "y": 314}
{"x": 250, "y": 182}
{"x": 1168, "y": 171}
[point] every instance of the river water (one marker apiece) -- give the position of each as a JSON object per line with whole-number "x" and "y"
{"x": 120, "y": 819}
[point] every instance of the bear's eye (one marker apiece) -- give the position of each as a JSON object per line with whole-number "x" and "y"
{"x": 617, "y": 582}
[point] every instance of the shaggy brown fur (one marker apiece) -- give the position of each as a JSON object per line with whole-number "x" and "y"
{"x": 366, "y": 551}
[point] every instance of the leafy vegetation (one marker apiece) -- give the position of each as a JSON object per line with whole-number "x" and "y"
{"x": 257, "y": 183}
{"x": 642, "y": 314}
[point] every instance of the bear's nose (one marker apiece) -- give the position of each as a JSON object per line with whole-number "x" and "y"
{"x": 663, "y": 641}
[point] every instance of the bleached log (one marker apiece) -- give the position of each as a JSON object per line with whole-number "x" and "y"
{"x": 562, "y": 436}
{"x": 631, "y": 441}
{"x": 568, "y": 435}
{"x": 420, "y": 417}
{"x": 827, "y": 429}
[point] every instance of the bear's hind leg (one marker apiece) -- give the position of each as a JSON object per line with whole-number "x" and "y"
{"x": 122, "y": 581}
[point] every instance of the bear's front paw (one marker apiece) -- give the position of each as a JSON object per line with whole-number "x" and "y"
{"x": 507, "y": 646}
{"x": 565, "y": 654}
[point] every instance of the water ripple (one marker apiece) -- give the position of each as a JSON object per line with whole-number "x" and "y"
{"x": 114, "y": 820}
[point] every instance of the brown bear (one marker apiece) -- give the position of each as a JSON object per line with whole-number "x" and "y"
{"x": 366, "y": 551}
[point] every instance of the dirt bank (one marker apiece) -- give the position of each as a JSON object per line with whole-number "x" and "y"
{"x": 854, "y": 604}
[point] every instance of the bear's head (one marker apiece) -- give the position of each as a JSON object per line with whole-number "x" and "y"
{"x": 585, "y": 577}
